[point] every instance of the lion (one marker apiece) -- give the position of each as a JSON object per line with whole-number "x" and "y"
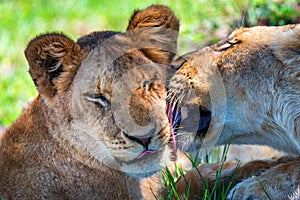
{"x": 244, "y": 89}
{"x": 99, "y": 123}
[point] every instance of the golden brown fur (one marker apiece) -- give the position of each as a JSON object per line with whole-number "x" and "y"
{"x": 73, "y": 141}
{"x": 250, "y": 82}
{"x": 248, "y": 175}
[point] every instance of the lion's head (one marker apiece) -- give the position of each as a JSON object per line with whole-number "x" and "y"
{"x": 105, "y": 94}
{"x": 244, "y": 88}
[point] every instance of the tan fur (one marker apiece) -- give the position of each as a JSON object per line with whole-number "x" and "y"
{"x": 66, "y": 146}
{"x": 245, "y": 153}
{"x": 257, "y": 74}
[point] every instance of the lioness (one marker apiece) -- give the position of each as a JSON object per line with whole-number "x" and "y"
{"x": 245, "y": 88}
{"x": 99, "y": 122}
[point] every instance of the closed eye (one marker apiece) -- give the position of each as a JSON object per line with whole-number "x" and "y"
{"x": 100, "y": 99}
{"x": 223, "y": 45}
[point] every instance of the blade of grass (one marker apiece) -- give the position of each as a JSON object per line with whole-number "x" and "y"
{"x": 263, "y": 187}
{"x": 171, "y": 183}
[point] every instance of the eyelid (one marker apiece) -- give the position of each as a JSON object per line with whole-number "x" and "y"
{"x": 99, "y": 98}
{"x": 226, "y": 44}
{"x": 106, "y": 96}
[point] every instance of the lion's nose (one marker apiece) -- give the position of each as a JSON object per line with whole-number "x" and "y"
{"x": 204, "y": 121}
{"x": 144, "y": 141}
{"x": 197, "y": 120}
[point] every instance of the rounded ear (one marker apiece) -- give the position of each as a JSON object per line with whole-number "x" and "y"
{"x": 53, "y": 59}
{"x": 159, "y": 26}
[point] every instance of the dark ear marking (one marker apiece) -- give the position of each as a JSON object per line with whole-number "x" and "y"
{"x": 50, "y": 56}
{"x": 55, "y": 68}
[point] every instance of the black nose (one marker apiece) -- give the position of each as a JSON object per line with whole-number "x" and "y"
{"x": 196, "y": 120}
{"x": 204, "y": 121}
{"x": 144, "y": 141}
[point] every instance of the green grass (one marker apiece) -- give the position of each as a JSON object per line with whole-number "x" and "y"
{"x": 202, "y": 22}
{"x": 279, "y": 13}
{"x": 218, "y": 191}
{"x": 263, "y": 187}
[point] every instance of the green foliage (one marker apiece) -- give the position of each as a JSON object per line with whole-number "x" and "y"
{"x": 272, "y": 13}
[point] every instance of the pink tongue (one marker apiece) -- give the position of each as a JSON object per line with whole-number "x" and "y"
{"x": 146, "y": 152}
{"x": 170, "y": 116}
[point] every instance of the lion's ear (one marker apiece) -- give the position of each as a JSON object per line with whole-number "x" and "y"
{"x": 53, "y": 59}
{"x": 286, "y": 46}
{"x": 157, "y": 28}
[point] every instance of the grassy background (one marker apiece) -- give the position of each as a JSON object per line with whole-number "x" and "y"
{"x": 202, "y": 22}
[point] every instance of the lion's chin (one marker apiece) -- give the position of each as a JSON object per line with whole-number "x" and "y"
{"x": 148, "y": 164}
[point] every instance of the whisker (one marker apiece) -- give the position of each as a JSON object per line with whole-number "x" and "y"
{"x": 181, "y": 97}
{"x": 174, "y": 104}
{"x": 170, "y": 93}
{"x": 179, "y": 128}
{"x": 189, "y": 92}
{"x": 85, "y": 139}
{"x": 173, "y": 92}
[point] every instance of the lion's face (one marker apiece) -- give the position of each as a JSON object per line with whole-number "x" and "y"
{"x": 245, "y": 87}
{"x": 122, "y": 102}
{"x": 192, "y": 89}
{"x": 107, "y": 92}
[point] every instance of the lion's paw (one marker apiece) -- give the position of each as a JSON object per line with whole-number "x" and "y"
{"x": 280, "y": 182}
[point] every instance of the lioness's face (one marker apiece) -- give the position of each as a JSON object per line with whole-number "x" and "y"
{"x": 109, "y": 90}
{"x": 236, "y": 88}
{"x": 197, "y": 90}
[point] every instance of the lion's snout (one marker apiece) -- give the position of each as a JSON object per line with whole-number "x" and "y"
{"x": 147, "y": 108}
{"x": 140, "y": 114}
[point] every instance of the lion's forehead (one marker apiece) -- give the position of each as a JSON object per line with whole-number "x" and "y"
{"x": 116, "y": 65}
{"x": 131, "y": 78}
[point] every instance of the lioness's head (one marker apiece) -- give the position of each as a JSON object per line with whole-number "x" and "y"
{"x": 245, "y": 88}
{"x": 105, "y": 94}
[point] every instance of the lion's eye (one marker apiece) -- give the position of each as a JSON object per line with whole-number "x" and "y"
{"x": 100, "y": 99}
{"x": 226, "y": 44}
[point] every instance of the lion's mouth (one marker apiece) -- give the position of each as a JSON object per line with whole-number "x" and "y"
{"x": 174, "y": 116}
{"x": 148, "y": 151}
